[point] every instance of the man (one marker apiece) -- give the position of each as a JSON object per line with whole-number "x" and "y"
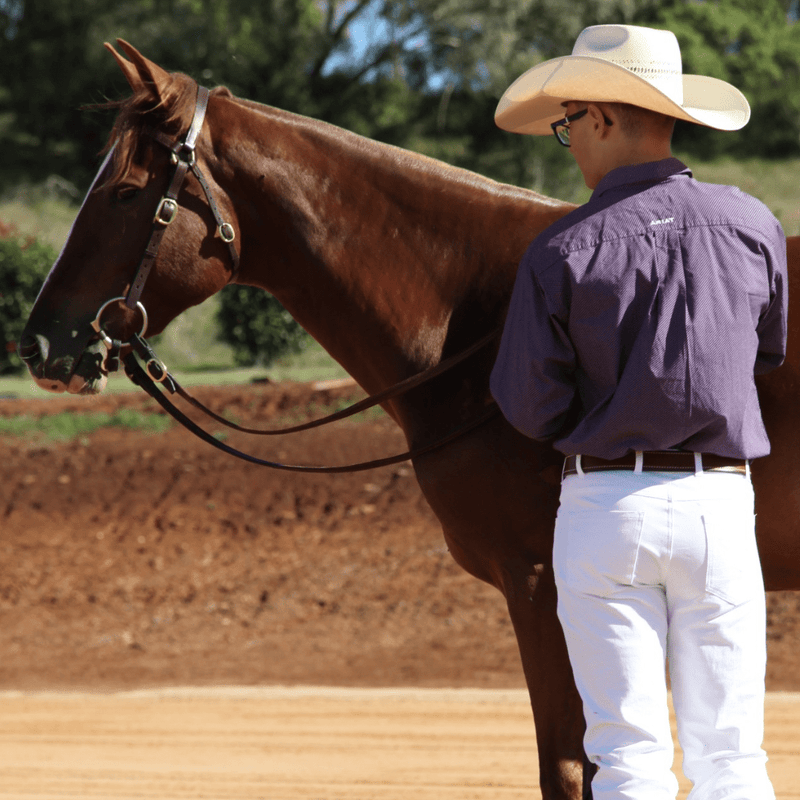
{"x": 635, "y": 328}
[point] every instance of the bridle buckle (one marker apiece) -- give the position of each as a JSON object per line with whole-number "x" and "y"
{"x": 226, "y": 232}
{"x": 166, "y": 212}
{"x": 156, "y": 370}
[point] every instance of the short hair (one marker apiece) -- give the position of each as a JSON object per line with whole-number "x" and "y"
{"x": 637, "y": 121}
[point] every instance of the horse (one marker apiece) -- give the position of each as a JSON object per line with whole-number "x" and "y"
{"x": 393, "y": 262}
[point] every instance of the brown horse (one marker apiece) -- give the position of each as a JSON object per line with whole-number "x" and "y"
{"x": 392, "y": 262}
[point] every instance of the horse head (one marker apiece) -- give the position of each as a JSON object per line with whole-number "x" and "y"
{"x": 114, "y": 227}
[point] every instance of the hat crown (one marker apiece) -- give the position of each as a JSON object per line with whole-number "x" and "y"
{"x": 651, "y": 54}
{"x": 620, "y": 64}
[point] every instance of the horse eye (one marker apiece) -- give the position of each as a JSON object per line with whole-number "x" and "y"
{"x": 127, "y": 193}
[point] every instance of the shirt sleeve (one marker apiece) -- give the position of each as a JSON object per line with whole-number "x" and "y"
{"x": 772, "y": 327}
{"x": 533, "y": 376}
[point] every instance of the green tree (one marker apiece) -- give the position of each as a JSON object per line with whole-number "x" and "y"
{"x": 476, "y": 47}
{"x": 273, "y": 51}
{"x": 47, "y": 72}
{"x": 753, "y": 44}
{"x": 433, "y": 66}
{"x": 428, "y": 77}
{"x": 24, "y": 264}
{"x": 257, "y": 326}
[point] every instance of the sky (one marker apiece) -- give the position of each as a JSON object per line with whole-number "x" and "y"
{"x": 366, "y": 31}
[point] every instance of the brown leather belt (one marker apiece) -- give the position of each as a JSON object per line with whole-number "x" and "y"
{"x": 657, "y": 461}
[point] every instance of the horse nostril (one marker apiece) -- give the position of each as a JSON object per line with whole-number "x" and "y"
{"x": 33, "y": 348}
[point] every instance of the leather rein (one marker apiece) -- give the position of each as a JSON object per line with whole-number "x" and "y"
{"x": 154, "y": 372}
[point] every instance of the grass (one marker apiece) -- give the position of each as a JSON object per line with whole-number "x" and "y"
{"x": 313, "y": 364}
{"x": 44, "y": 212}
{"x": 775, "y": 183}
{"x": 66, "y": 426}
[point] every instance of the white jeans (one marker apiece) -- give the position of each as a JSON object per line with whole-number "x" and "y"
{"x": 656, "y": 566}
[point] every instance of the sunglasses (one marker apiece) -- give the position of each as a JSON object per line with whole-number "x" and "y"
{"x": 561, "y": 128}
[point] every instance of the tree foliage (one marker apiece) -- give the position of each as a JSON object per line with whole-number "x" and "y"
{"x": 425, "y": 74}
{"x": 755, "y": 47}
{"x": 260, "y": 50}
{"x": 479, "y": 46}
{"x": 24, "y": 264}
{"x": 257, "y": 326}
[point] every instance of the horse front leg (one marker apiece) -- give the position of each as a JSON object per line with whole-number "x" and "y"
{"x": 564, "y": 773}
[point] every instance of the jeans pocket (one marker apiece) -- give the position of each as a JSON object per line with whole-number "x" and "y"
{"x": 595, "y": 551}
{"x": 733, "y": 567}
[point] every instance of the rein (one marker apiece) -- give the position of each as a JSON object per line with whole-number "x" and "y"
{"x": 155, "y": 372}
{"x": 142, "y": 377}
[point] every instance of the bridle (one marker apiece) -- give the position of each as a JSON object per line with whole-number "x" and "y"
{"x": 183, "y": 157}
{"x": 154, "y": 372}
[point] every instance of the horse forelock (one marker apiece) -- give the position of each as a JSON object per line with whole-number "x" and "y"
{"x": 140, "y": 113}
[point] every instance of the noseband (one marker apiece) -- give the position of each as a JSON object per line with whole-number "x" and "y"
{"x": 154, "y": 372}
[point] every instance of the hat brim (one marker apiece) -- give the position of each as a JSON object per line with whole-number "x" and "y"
{"x": 536, "y": 98}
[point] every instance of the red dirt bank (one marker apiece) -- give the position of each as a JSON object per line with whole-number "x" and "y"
{"x": 130, "y": 559}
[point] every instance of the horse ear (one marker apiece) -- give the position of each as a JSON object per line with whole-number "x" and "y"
{"x": 140, "y": 72}
{"x": 128, "y": 70}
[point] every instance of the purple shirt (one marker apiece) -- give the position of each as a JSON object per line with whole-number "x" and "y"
{"x": 638, "y": 321}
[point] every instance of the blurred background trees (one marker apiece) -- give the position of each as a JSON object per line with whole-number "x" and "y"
{"x": 24, "y": 264}
{"x": 257, "y": 327}
{"x": 421, "y": 74}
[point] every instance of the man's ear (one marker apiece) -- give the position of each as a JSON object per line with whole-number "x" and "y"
{"x": 602, "y": 119}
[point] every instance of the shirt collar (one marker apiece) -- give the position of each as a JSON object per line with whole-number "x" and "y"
{"x": 651, "y": 172}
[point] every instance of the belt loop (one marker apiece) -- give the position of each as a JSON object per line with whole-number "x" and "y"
{"x": 698, "y": 463}
{"x": 639, "y": 462}
{"x": 578, "y": 465}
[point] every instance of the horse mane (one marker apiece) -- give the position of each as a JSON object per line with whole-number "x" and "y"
{"x": 138, "y": 114}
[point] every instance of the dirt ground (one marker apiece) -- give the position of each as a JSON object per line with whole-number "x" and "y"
{"x": 297, "y": 744}
{"x": 132, "y": 560}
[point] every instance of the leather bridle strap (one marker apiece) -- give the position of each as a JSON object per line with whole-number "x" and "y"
{"x": 183, "y": 156}
{"x": 158, "y": 373}
{"x": 167, "y": 209}
{"x": 356, "y": 408}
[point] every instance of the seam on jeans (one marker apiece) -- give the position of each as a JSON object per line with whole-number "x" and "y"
{"x": 639, "y": 534}
{"x": 670, "y": 529}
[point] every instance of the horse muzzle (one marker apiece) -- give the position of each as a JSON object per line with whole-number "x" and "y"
{"x": 83, "y": 373}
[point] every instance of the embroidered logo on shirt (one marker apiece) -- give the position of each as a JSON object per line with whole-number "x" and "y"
{"x": 662, "y": 221}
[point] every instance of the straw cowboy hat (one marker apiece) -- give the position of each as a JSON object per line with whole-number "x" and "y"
{"x": 620, "y": 64}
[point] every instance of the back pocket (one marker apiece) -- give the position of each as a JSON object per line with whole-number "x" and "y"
{"x": 595, "y": 551}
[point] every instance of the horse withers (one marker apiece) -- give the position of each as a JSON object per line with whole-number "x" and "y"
{"x": 393, "y": 262}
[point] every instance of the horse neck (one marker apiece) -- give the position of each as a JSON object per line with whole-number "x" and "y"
{"x": 376, "y": 251}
